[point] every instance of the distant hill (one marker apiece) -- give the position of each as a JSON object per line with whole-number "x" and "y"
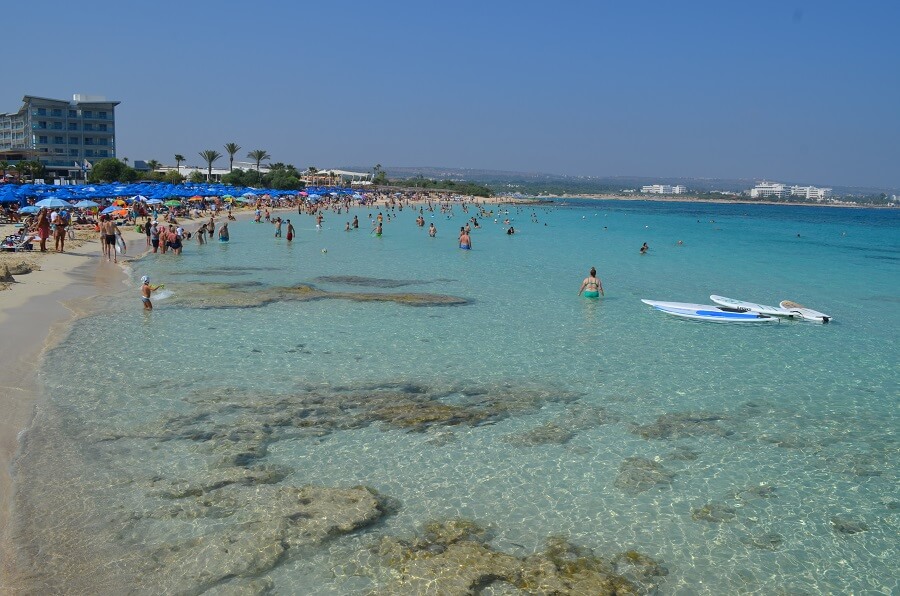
{"x": 533, "y": 183}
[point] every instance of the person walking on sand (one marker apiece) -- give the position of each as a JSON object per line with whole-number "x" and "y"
{"x": 146, "y": 290}
{"x": 59, "y": 233}
{"x": 591, "y": 286}
{"x": 108, "y": 237}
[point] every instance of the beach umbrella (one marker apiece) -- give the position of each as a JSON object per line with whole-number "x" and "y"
{"x": 52, "y": 202}
{"x": 111, "y": 209}
{"x": 195, "y": 199}
{"x": 85, "y": 204}
{"x": 172, "y": 203}
{"x": 29, "y": 209}
{"x": 154, "y": 202}
{"x": 119, "y": 202}
{"x": 139, "y": 198}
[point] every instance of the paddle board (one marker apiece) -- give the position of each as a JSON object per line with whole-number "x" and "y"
{"x": 743, "y": 306}
{"x": 707, "y": 312}
{"x": 807, "y": 313}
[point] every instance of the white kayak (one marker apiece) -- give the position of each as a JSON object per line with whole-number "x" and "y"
{"x": 708, "y": 312}
{"x": 807, "y": 313}
{"x": 743, "y": 306}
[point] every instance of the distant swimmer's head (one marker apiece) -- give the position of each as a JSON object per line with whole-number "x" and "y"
{"x": 593, "y": 272}
{"x": 145, "y": 279}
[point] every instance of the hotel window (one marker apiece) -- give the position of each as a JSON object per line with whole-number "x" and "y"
{"x": 101, "y": 127}
{"x": 56, "y": 125}
{"x": 88, "y": 141}
{"x": 87, "y": 113}
{"x": 56, "y": 112}
{"x": 73, "y": 140}
{"x": 42, "y": 140}
{"x": 88, "y": 126}
{"x": 73, "y": 114}
{"x": 103, "y": 153}
{"x": 42, "y": 112}
{"x": 42, "y": 124}
{"x": 73, "y": 126}
{"x": 101, "y": 115}
{"x": 59, "y": 140}
{"x": 73, "y": 152}
{"x": 58, "y": 150}
{"x": 89, "y": 153}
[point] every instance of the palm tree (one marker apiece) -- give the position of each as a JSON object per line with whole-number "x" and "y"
{"x": 153, "y": 164}
{"x": 3, "y": 167}
{"x": 231, "y": 148}
{"x": 258, "y": 155}
{"x": 125, "y": 160}
{"x": 178, "y": 159}
{"x": 210, "y": 155}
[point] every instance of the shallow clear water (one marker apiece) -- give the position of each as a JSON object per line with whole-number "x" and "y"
{"x": 808, "y": 412}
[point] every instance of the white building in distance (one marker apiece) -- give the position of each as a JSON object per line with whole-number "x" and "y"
{"x": 663, "y": 189}
{"x": 781, "y": 191}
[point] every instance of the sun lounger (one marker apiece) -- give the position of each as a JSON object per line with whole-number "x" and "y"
{"x": 16, "y": 244}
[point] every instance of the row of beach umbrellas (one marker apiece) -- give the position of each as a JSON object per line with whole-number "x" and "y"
{"x": 147, "y": 191}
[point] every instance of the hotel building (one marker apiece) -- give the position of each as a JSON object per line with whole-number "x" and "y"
{"x": 63, "y": 135}
{"x": 663, "y": 189}
{"x": 782, "y": 191}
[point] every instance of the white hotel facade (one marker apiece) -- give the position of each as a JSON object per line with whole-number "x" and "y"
{"x": 663, "y": 189}
{"x": 782, "y": 191}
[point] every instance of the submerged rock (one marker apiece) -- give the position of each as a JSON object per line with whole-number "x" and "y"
{"x": 371, "y": 282}
{"x": 679, "y": 425}
{"x": 453, "y": 557}
{"x": 265, "y": 524}
{"x": 714, "y": 512}
{"x": 236, "y": 295}
{"x": 682, "y": 453}
{"x": 549, "y": 433}
{"x": 768, "y": 541}
{"x": 844, "y": 525}
{"x": 638, "y": 474}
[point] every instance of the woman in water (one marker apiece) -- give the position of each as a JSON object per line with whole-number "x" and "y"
{"x": 591, "y": 286}
{"x": 223, "y": 233}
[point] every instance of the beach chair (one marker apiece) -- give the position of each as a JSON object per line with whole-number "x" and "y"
{"x": 17, "y": 245}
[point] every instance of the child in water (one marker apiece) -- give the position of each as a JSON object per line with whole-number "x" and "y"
{"x": 146, "y": 290}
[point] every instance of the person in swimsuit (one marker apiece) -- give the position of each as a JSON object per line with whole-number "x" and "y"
{"x": 465, "y": 242}
{"x": 154, "y": 235}
{"x": 432, "y": 231}
{"x": 223, "y": 233}
{"x": 146, "y": 289}
{"x": 290, "y": 231}
{"x": 644, "y": 248}
{"x": 591, "y": 286}
{"x": 108, "y": 229}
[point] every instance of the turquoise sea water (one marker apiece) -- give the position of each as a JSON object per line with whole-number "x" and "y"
{"x": 758, "y": 459}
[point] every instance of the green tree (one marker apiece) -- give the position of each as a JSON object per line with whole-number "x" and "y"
{"x": 231, "y": 149}
{"x": 125, "y": 160}
{"x": 173, "y": 177}
{"x": 153, "y": 165}
{"x": 210, "y": 155}
{"x": 195, "y": 176}
{"x": 379, "y": 176}
{"x": 4, "y": 165}
{"x": 258, "y": 155}
{"x": 111, "y": 170}
{"x": 178, "y": 159}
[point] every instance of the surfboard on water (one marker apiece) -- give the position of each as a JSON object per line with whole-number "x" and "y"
{"x": 743, "y": 306}
{"x": 807, "y": 313}
{"x": 708, "y": 312}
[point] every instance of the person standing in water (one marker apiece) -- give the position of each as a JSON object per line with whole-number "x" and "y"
{"x": 146, "y": 290}
{"x": 290, "y": 231}
{"x": 223, "y": 233}
{"x": 591, "y": 286}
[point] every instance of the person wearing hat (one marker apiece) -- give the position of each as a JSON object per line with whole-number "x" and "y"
{"x": 146, "y": 290}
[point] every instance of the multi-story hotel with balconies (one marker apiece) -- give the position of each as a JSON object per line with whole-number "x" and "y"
{"x": 61, "y": 134}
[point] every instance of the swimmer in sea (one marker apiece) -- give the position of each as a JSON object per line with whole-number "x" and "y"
{"x": 644, "y": 248}
{"x": 432, "y": 231}
{"x": 591, "y": 286}
{"x": 465, "y": 242}
{"x": 146, "y": 289}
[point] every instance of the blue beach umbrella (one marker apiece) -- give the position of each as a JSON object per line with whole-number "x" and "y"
{"x": 29, "y": 209}
{"x": 52, "y": 202}
{"x": 85, "y": 204}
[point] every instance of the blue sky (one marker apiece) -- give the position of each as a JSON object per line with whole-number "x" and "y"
{"x": 792, "y": 91}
